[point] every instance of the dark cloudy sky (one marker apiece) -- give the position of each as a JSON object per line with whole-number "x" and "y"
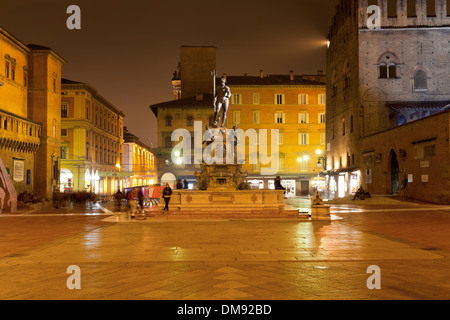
{"x": 129, "y": 49}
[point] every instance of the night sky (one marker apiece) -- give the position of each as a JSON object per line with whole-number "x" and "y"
{"x": 128, "y": 50}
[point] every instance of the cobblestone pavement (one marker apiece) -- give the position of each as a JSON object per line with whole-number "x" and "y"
{"x": 259, "y": 259}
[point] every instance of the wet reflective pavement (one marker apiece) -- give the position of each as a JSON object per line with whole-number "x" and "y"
{"x": 228, "y": 259}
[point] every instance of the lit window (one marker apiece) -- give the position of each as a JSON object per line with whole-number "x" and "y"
{"x": 303, "y": 138}
{"x": 236, "y": 116}
{"x": 322, "y": 118}
{"x": 322, "y": 99}
{"x": 279, "y": 117}
{"x": 302, "y": 99}
{"x": 303, "y": 117}
{"x": 256, "y": 116}
{"x": 279, "y": 99}
{"x": 256, "y": 98}
{"x": 236, "y": 99}
{"x": 64, "y": 111}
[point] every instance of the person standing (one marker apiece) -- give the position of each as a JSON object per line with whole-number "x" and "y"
{"x": 167, "y": 192}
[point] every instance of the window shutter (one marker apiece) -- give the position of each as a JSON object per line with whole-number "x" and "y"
{"x": 284, "y": 118}
{"x": 307, "y": 118}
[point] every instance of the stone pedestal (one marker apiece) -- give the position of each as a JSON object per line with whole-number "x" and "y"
{"x": 320, "y": 212}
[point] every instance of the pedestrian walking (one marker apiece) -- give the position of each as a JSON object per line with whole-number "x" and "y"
{"x": 167, "y": 192}
{"x": 119, "y": 197}
{"x": 141, "y": 200}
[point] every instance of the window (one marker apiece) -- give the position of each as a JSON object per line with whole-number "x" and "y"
{"x": 236, "y": 116}
{"x": 322, "y": 118}
{"x": 63, "y": 152}
{"x": 388, "y": 71}
{"x": 411, "y": 8}
{"x": 256, "y": 117}
{"x": 256, "y": 98}
{"x": 322, "y": 138}
{"x": 303, "y": 138}
{"x": 236, "y": 99}
{"x": 64, "y": 132}
{"x": 303, "y": 163}
{"x": 7, "y": 69}
{"x": 279, "y": 99}
{"x": 322, "y": 99}
{"x": 168, "y": 142}
{"x": 190, "y": 121}
{"x": 25, "y": 78}
{"x": 303, "y": 117}
{"x": 168, "y": 121}
{"x": 54, "y": 85}
{"x": 87, "y": 112}
{"x": 279, "y": 117}
{"x": 302, "y": 99}
{"x": 351, "y": 123}
{"x": 346, "y": 74}
{"x": 13, "y": 71}
{"x": 431, "y": 8}
{"x": 420, "y": 80}
{"x": 343, "y": 127}
{"x": 392, "y": 8}
{"x": 64, "y": 110}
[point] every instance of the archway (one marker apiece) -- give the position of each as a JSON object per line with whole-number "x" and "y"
{"x": 65, "y": 180}
{"x": 393, "y": 166}
{"x": 168, "y": 178}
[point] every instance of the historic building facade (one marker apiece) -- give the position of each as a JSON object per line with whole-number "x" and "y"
{"x": 379, "y": 80}
{"x": 30, "y": 94}
{"x": 138, "y": 159}
{"x": 295, "y": 106}
{"x": 92, "y": 131}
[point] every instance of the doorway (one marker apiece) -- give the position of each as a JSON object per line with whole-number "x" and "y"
{"x": 393, "y": 163}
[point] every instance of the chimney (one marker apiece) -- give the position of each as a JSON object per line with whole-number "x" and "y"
{"x": 291, "y": 75}
{"x": 261, "y": 73}
{"x": 320, "y": 72}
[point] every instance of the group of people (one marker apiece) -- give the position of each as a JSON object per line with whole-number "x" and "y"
{"x": 80, "y": 198}
{"x": 182, "y": 185}
{"x": 135, "y": 198}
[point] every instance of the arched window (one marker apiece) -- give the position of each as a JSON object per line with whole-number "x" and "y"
{"x": 388, "y": 64}
{"x": 420, "y": 80}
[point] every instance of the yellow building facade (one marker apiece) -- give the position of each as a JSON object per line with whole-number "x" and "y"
{"x": 92, "y": 131}
{"x": 295, "y": 106}
{"x": 30, "y": 94}
{"x": 140, "y": 161}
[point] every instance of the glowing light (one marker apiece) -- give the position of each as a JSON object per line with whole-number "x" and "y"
{"x": 179, "y": 161}
{"x": 318, "y": 152}
{"x": 328, "y": 43}
{"x": 306, "y": 158}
